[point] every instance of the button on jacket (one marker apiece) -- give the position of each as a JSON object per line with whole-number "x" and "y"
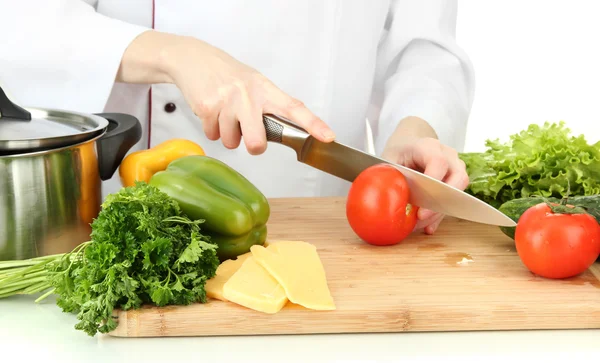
{"x": 347, "y": 60}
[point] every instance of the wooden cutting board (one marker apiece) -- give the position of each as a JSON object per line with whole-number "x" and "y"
{"x": 466, "y": 276}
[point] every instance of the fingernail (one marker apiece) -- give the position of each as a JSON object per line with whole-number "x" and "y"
{"x": 328, "y": 135}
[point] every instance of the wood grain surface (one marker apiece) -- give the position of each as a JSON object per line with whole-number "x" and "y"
{"x": 466, "y": 276}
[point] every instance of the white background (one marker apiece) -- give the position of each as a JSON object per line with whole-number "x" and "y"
{"x": 534, "y": 61}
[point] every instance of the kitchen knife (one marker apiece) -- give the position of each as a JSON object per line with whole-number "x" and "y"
{"x": 347, "y": 163}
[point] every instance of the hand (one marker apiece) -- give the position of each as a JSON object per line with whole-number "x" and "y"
{"x": 429, "y": 156}
{"x": 227, "y": 95}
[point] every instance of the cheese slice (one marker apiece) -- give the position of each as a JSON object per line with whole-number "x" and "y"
{"x": 253, "y": 287}
{"x": 214, "y": 286}
{"x": 298, "y": 269}
{"x": 268, "y": 243}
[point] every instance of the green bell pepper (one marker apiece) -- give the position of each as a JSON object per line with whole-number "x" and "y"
{"x": 234, "y": 211}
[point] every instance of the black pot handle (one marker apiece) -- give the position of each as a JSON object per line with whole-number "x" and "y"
{"x": 12, "y": 111}
{"x": 123, "y": 132}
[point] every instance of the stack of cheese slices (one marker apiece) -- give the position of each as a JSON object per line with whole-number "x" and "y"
{"x": 268, "y": 277}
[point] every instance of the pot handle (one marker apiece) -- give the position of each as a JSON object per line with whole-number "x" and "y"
{"x": 9, "y": 110}
{"x": 123, "y": 132}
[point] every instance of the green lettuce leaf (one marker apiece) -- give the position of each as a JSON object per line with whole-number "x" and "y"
{"x": 541, "y": 160}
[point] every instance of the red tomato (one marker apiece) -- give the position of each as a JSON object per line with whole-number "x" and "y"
{"x": 377, "y": 206}
{"x": 557, "y": 245}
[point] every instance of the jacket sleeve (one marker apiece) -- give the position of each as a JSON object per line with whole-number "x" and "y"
{"x": 421, "y": 71}
{"x": 60, "y": 53}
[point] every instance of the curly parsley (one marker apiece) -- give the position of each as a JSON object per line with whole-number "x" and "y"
{"x": 143, "y": 250}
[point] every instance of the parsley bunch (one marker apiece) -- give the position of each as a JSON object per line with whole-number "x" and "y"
{"x": 143, "y": 250}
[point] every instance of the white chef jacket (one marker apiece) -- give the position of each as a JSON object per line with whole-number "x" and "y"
{"x": 347, "y": 60}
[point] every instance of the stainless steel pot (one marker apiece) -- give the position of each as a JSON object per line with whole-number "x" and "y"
{"x": 52, "y": 164}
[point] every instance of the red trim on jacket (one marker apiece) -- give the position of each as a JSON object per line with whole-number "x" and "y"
{"x": 150, "y": 93}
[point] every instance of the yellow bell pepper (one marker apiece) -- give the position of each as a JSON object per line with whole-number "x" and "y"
{"x": 89, "y": 198}
{"x": 142, "y": 165}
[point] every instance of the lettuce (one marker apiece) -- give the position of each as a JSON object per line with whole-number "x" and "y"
{"x": 541, "y": 160}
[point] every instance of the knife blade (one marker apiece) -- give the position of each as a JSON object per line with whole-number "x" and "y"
{"x": 347, "y": 163}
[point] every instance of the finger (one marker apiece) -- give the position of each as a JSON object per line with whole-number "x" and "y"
{"x": 427, "y": 221}
{"x": 284, "y": 105}
{"x": 457, "y": 174}
{"x": 430, "y": 229}
{"x": 229, "y": 128}
{"x": 425, "y": 214}
{"x": 436, "y": 166}
{"x": 210, "y": 125}
{"x": 251, "y": 124}
{"x": 207, "y": 110}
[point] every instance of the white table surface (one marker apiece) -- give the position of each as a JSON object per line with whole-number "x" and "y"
{"x": 42, "y": 331}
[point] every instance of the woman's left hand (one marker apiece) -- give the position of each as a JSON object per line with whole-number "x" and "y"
{"x": 429, "y": 156}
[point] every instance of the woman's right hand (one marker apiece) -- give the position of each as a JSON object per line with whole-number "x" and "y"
{"x": 227, "y": 95}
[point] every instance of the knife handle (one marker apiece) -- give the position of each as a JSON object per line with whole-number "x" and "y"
{"x": 282, "y": 131}
{"x": 273, "y": 129}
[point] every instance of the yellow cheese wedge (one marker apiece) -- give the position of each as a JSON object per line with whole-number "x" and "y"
{"x": 214, "y": 286}
{"x": 253, "y": 287}
{"x": 297, "y": 267}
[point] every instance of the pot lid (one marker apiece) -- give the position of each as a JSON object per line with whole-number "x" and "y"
{"x": 35, "y": 129}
